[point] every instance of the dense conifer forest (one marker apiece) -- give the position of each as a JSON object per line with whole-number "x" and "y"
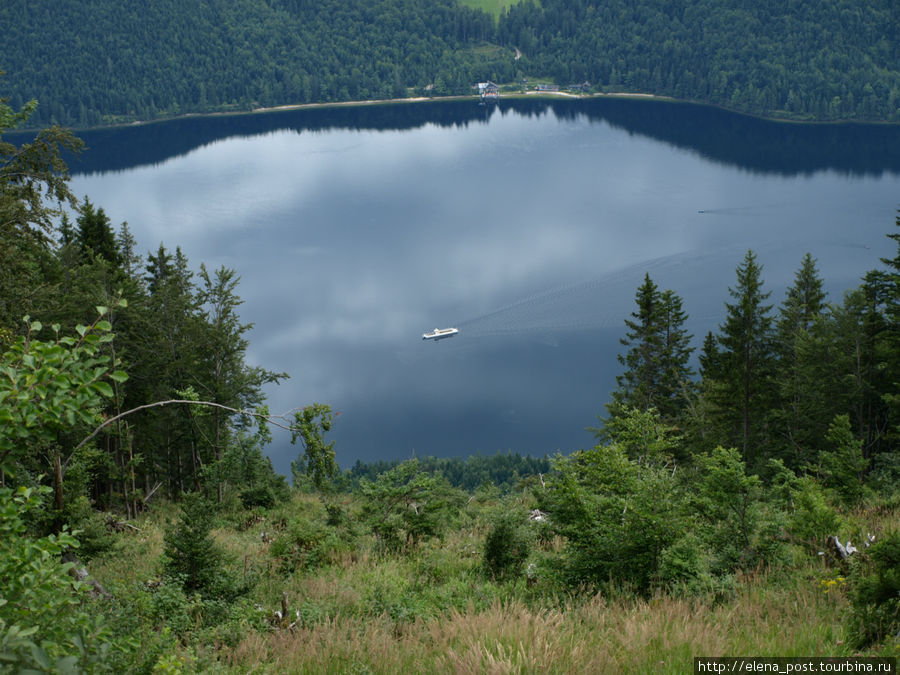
{"x": 743, "y": 502}
{"x": 102, "y": 62}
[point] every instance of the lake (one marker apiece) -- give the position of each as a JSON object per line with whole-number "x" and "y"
{"x": 528, "y": 225}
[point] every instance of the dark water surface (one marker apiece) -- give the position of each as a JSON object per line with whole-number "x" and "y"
{"x": 528, "y": 226}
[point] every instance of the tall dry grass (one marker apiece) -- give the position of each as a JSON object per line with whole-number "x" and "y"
{"x": 594, "y": 635}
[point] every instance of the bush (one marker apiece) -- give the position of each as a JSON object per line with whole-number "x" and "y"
{"x": 843, "y": 467}
{"x": 617, "y": 516}
{"x": 306, "y": 545}
{"x": 261, "y": 496}
{"x": 876, "y": 593}
{"x": 45, "y": 623}
{"x": 682, "y": 562}
{"x": 190, "y": 554}
{"x": 507, "y": 545}
{"x": 405, "y": 505}
{"x": 729, "y": 504}
{"x": 812, "y": 518}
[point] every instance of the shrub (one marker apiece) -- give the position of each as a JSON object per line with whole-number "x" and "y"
{"x": 190, "y": 554}
{"x": 616, "y": 515}
{"x": 306, "y": 545}
{"x": 876, "y": 593}
{"x": 507, "y": 545}
{"x": 260, "y": 496}
{"x": 45, "y": 624}
{"x": 406, "y": 505}
{"x": 729, "y": 503}
{"x": 812, "y": 518}
{"x": 843, "y": 466}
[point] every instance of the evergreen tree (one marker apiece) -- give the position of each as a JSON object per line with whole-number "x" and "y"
{"x": 677, "y": 377}
{"x": 639, "y": 384}
{"x": 95, "y": 234}
{"x": 33, "y": 178}
{"x": 885, "y": 287}
{"x": 169, "y": 346}
{"x": 657, "y": 373}
{"x": 190, "y": 554}
{"x": 745, "y": 363}
{"x": 796, "y": 419}
{"x": 222, "y": 372}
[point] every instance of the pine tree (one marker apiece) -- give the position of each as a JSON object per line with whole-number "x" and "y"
{"x": 657, "y": 374}
{"x": 797, "y": 423}
{"x": 221, "y": 372}
{"x": 745, "y": 363}
{"x": 190, "y": 554}
{"x": 95, "y": 234}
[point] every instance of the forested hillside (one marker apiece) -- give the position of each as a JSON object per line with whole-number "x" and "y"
{"x": 103, "y": 61}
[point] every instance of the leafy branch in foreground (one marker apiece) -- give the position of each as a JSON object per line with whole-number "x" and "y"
{"x": 44, "y": 627}
{"x": 48, "y": 387}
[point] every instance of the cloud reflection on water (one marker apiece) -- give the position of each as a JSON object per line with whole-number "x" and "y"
{"x": 352, "y": 242}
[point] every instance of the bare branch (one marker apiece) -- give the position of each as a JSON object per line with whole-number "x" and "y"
{"x": 271, "y": 419}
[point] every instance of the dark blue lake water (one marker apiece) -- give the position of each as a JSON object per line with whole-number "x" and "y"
{"x": 528, "y": 226}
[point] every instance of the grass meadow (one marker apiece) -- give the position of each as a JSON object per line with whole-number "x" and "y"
{"x": 353, "y": 608}
{"x": 492, "y": 7}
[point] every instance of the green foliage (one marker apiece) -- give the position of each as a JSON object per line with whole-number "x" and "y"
{"x": 729, "y": 503}
{"x": 33, "y": 187}
{"x": 46, "y": 621}
{"x": 762, "y": 58}
{"x": 95, "y": 235}
{"x": 797, "y": 417}
{"x": 405, "y": 505}
{"x": 307, "y": 544}
{"x": 812, "y": 519}
{"x": 191, "y": 556}
{"x": 49, "y": 386}
{"x": 618, "y": 517}
{"x": 643, "y": 435}
{"x": 876, "y": 593}
{"x": 657, "y": 374}
{"x": 843, "y": 466}
{"x": 317, "y": 461}
{"x": 503, "y": 470}
{"x": 743, "y": 364}
{"x": 244, "y": 468}
{"x": 507, "y": 545}
{"x": 265, "y": 53}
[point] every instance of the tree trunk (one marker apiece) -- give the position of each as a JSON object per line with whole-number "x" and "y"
{"x": 58, "y": 482}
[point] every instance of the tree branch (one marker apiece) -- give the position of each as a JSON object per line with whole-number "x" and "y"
{"x": 271, "y": 419}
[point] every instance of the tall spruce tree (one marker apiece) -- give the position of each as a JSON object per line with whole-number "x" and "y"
{"x": 797, "y": 425}
{"x": 34, "y": 184}
{"x": 222, "y": 373}
{"x": 885, "y": 287}
{"x": 746, "y": 362}
{"x": 657, "y": 374}
{"x": 170, "y": 346}
{"x": 677, "y": 380}
{"x": 95, "y": 234}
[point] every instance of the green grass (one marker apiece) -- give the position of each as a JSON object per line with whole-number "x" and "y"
{"x": 492, "y": 7}
{"x": 432, "y": 609}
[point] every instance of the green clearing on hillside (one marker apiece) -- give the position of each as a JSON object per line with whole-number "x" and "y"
{"x": 493, "y": 7}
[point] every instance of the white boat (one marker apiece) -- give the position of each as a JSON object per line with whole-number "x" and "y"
{"x": 440, "y": 334}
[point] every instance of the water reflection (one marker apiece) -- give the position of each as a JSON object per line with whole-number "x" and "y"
{"x": 728, "y": 138}
{"x": 530, "y": 226}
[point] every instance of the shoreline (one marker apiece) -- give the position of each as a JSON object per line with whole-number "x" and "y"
{"x": 386, "y": 101}
{"x": 461, "y": 97}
